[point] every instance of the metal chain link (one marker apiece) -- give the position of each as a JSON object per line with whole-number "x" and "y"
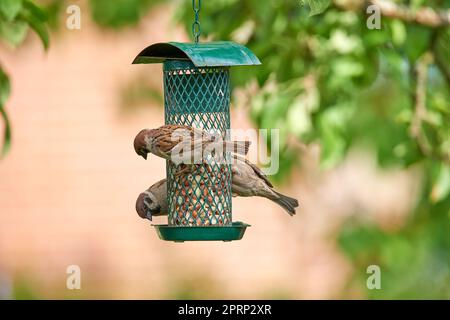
{"x": 196, "y": 29}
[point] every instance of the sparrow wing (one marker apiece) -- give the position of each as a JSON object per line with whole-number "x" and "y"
{"x": 255, "y": 169}
{"x": 259, "y": 173}
{"x": 165, "y": 143}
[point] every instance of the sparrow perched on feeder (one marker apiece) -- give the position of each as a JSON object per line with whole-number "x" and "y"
{"x": 153, "y": 201}
{"x": 247, "y": 181}
{"x": 162, "y": 141}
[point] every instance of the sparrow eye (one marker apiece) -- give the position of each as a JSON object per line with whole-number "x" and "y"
{"x": 148, "y": 202}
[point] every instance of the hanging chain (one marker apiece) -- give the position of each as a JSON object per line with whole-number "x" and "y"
{"x": 196, "y": 30}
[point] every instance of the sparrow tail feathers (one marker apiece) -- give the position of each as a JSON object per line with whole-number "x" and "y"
{"x": 288, "y": 203}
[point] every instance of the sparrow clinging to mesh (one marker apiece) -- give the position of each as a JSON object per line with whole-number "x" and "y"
{"x": 153, "y": 201}
{"x": 163, "y": 140}
{"x": 247, "y": 181}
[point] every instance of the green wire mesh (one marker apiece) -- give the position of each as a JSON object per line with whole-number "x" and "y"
{"x": 198, "y": 97}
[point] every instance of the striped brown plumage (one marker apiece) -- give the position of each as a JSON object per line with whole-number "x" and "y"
{"x": 161, "y": 141}
{"x": 247, "y": 181}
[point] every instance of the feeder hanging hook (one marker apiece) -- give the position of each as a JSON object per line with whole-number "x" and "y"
{"x": 196, "y": 30}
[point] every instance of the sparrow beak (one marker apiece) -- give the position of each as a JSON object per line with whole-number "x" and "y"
{"x": 155, "y": 211}
{"x": 144, "y": 156}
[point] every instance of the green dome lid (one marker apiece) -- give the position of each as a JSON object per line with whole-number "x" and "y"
{"x": 207, "y": 54}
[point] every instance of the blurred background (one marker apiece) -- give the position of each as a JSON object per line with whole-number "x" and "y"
{"x": 365, "y": 145}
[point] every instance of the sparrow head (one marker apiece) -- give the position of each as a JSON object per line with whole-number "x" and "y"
{"x": 147, "y": 206}
{"x": 140, "y": 144}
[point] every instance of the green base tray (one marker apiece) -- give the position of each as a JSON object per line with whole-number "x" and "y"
{"x": 212, "y": 233}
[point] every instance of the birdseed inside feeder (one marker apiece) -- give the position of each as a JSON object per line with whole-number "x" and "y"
{"x": 197, "y": 94}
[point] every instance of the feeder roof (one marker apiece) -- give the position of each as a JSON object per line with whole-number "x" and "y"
{"x": 207, "y": 54}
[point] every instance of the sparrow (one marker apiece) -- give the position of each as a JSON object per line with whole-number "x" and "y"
{"x": 162, "y": 141}
{"x": 247, "y": 181}
{"x": 153, "y": 201}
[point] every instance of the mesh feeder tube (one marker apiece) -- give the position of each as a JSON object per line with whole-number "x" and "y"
{"x": 197, "y": 94}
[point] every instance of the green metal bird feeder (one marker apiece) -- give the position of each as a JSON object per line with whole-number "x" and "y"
{"x": 197, "y": 94}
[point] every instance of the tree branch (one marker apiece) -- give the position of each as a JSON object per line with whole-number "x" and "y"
{"x": 419, "y": 80}
{"x": 424, "y": 16}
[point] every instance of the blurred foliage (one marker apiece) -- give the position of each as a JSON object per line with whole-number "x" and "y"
{"x": 328, "y": 79}
{"x": 139, "y": 93}
{"x": 194, "y": 286}
{"x": 54, "y": 9}
{"x": 24, "y": 289}
{"x": 414, "y": 262}
{"x": 16, "y": 18}
{"x": 119, "y": 13}
{"x": 5, "y": 88}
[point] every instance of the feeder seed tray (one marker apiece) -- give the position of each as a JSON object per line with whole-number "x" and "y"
{"x": 212, "y": 233}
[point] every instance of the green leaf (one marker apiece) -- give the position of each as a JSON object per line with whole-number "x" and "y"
{"x": 347, "y": 67}
{"x": 39, "y": 13}
{"x": 317, "y": 6}
{"x": 418, "y": 41}
{"x": 40, "y": 29}
{"x": 6, "y": 134}
{"x": 36, "y": 18}
{"x": 398, "y": 31}
{"x": 332, "y": 126}
{"x": 5, "y": 89}
{"x": 441, "y": 186}
{"x": 13, "y": 32}
{"x": 10, "y": 8}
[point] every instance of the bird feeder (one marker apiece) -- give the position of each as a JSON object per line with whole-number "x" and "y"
{"x": 197, "y": 94}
